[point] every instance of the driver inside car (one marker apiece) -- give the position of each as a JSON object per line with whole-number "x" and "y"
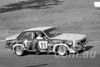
{"x": 39, "y": 36}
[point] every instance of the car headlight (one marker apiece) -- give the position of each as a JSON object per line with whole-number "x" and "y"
{"x": 69, "y": 42}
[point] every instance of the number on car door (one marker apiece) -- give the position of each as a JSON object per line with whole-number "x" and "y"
{"x": 43, "y": 44}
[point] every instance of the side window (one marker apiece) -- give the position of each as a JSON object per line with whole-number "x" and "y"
{"x": 27, "y": 35}
{"x": 40, "y": 35}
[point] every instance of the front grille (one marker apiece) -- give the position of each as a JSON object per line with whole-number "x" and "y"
{"x": 81, "y": 41}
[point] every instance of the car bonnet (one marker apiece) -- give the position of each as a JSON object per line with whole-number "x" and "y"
{"x": 69, "y": 36}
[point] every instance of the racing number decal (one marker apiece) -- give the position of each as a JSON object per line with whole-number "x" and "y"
{"x": 43, "y": 44}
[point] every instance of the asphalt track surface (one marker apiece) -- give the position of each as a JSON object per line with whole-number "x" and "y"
{"x": 9, "y": 59}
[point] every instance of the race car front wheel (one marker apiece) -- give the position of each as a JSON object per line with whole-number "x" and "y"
{"x": 62, "y": 50}
{"x": 19, "y": 50}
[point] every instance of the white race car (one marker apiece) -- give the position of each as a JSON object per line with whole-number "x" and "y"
{"x": 46, "y": 39}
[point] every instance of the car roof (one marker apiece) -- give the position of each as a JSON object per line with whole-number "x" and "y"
{"x": 39, "y": 28}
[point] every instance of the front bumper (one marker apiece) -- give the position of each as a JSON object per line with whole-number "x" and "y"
{"x": 77, "y": 49}
{"x": 8, "y": 45}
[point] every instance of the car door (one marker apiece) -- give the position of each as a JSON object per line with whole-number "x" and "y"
{"x": 27, "y": 39}
{"x": 42, "y": 42}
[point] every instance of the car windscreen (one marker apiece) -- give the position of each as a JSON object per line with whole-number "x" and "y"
{"x": 52, "y": 32}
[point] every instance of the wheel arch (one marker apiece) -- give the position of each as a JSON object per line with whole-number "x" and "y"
{"x": 18, "y": 45}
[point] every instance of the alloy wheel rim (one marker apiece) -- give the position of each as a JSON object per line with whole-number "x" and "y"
{"x": 62, "y": 50}
{"x": 18, "y": 51}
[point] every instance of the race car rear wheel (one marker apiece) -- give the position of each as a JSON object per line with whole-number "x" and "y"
{"x": 62, "y": 50}
{"x": 19, "y": 50}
